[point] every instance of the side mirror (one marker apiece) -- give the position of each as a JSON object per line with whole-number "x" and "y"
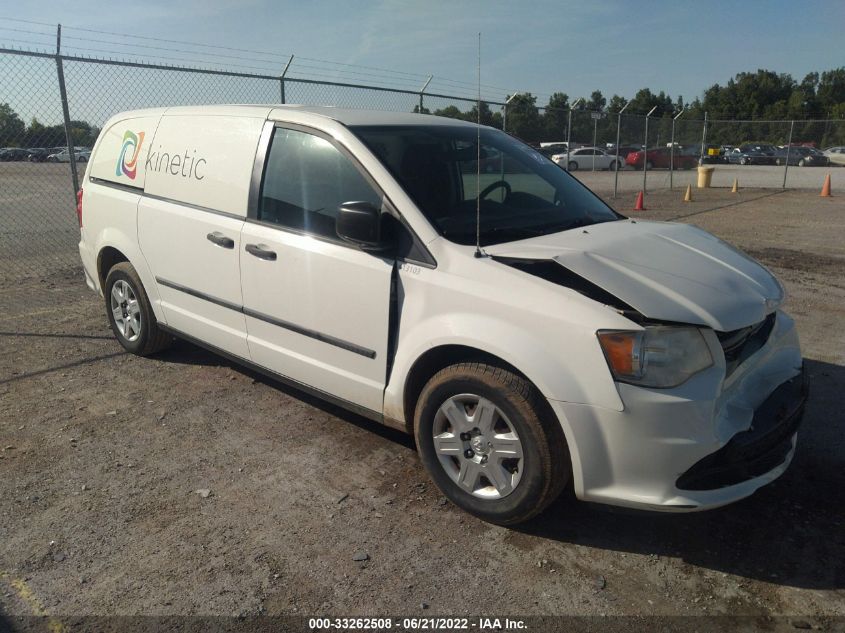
{"x": 360, "y": 223}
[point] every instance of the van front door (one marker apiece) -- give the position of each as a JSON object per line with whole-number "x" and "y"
{"x": 317, "y": 309}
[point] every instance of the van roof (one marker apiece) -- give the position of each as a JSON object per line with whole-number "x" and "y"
{"x": 341, "y": 115}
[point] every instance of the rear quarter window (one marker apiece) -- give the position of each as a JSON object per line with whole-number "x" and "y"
{"x": 121, "y": 151}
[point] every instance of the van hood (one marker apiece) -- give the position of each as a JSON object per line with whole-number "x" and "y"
{"x": 666, "y": 271}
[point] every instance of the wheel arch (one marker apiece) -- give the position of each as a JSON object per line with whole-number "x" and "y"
{"x": 440, "y": 357}
{"x": 106, "y": 259}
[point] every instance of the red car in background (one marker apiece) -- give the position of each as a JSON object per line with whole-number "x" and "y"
{"x": 659, "y": 158}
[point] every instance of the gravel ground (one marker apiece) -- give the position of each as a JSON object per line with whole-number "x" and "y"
{"x": 183, "y": 485}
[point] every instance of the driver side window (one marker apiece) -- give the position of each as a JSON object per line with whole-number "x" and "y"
{"x": 306, "y": 179}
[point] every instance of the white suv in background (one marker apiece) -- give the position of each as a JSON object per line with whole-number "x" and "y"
{"x": 553, "y": 342}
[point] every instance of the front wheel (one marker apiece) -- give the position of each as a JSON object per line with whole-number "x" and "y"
{"x": 743, "y": 161}
{"x": 802, "y": 163}
{"x": 573, "y": 166}
{"x": 489, "y": 444}
{"x": 615, "y": 166}
{"x": 130, "y": 314}
{"x": 649, "y": 165}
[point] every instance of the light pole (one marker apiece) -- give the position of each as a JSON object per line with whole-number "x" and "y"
{"x": 618, "y": 129}
{"x": 672, "y": 147}
{"x": 569, "y": 130}
{"x": 645, "y": 146}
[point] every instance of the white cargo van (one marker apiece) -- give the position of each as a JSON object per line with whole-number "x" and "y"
{"x": 528, "y": 336}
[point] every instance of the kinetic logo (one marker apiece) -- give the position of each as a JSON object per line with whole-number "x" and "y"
{"x": 127, "y": 162}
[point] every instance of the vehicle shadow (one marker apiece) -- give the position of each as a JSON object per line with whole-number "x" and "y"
{"x": 789, "y": 533}
{"x": 186, "y": 353}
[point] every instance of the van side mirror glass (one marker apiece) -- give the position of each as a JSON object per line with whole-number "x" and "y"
{"x": 360, "y": 223}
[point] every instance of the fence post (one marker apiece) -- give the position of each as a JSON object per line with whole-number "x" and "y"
{"x": 66, "y": 112}
{"x": 618, "y": 131}
{"x": 422, "y": 91}
{"x": 569, "y": 130}
{"x": 788, "y": 147}
{"x": 645, "y": 147}
{"x": 282, "y": 79}
{"x": 672, "y": 149}
{"x": 703, "y": 140}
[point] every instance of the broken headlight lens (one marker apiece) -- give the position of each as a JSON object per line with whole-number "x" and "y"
{"x": 657, "y": 356}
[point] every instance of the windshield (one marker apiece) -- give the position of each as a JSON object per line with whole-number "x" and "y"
{"x": 523, "y": 193}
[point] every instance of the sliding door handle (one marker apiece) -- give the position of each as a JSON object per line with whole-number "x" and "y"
{"x": 261, "y": 253}
{"x": 221, "y": 240}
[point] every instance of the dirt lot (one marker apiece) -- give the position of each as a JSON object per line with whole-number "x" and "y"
{"x": 102, "y": 455}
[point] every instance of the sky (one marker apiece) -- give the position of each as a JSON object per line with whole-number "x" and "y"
{"x": 540, "y": 47}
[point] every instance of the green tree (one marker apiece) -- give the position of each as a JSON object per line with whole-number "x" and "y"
{"x": 555, "y": 117}
{"x": 524, "y": 120}
{"x": 11, "y": 127}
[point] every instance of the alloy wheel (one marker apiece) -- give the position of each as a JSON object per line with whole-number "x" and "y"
{"x": 125, "y": 310}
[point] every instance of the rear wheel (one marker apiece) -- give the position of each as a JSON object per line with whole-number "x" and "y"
{"x": 802, "y": 163}
{"x": 489, "y": 444}
{"x": 649, "y": 165}
{"x": 130, "y": 314}
{"x": 615, "y": 166}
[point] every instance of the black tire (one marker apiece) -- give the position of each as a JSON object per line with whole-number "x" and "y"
{"x": 743, "y": 161}
{"x": 649, "y": 165}
{"x": 150, "y": 338}
{"x": 545, "y": 465}
{"x": 573, "y": 166}
{"x": 81, "y": 159}
{"x": 778, "y": 162}
{"x": 802, "y": 163}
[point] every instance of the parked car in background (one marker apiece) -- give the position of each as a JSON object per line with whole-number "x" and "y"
{"x": 587, "y": 158}
{"x": 751, "y": 155}
{"x": 801, "y": 156}
{"x": 82, "y": 156}
{"x": 660, "y": 158}
{"x": 836, "y": 155}
{"x": 14, "y": 154}
{"x": 624, "y": 150}
{"x": 38, "y": 154}
{"x": 550, "y": 149}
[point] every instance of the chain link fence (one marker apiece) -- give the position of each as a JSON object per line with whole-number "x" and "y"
{"x": 49, "y": 102}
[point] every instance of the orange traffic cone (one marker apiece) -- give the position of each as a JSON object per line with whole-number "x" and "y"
{"x": 639, "y": 204}
{"x": 688, "y": 194}
{"x": 735, "y": 188}
{"x": 826, "y": 187}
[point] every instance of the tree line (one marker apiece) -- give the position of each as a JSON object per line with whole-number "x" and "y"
{"x": 754, "y": 106}
{"x": 15, "y": 133}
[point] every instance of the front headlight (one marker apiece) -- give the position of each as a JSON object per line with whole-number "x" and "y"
{"x": 658, "y": 356}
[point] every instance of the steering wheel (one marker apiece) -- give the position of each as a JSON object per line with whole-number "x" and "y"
{"x": 492, "y": 187}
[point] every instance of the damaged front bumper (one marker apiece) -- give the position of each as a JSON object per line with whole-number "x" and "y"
{"x": 707, "y": 443}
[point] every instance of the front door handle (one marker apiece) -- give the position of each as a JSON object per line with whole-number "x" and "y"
{"x": 261, "y": 253}
{"x": 221, "y": 240}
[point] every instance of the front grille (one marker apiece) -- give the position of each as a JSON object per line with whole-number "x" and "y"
{"x": 740, "y": 344}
